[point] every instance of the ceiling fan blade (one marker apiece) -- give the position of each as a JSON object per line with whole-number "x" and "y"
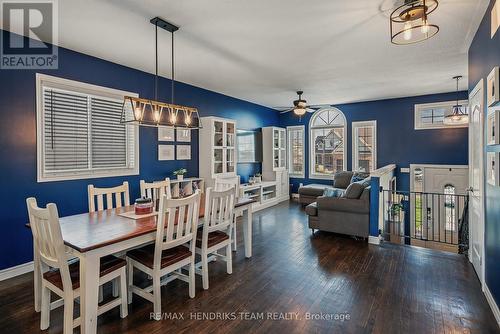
{"x": 285, "y": 111}
{"x": 319, "y": 106}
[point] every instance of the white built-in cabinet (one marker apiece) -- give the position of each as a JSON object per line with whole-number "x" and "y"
{"x": 217, "y": 149}
{"x": 274, "y": 159}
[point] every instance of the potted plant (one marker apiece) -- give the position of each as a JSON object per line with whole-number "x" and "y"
{"x": 180, "y": 173}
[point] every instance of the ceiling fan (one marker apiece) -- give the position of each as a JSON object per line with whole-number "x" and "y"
{"x": 300, "y": 106}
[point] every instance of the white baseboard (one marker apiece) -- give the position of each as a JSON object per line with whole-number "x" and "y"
{"x": 493, "y": 304}
{"x": 16, "y": 271}
{"x": 373, "y": 240}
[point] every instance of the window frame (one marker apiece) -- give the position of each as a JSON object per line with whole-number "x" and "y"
{"x": 302, "y": 129}
{"x": 312, "y": 152}
{"x": 419, "y": 108}
{"x": 42, "y": 81}
{"x": 362, "y": 124}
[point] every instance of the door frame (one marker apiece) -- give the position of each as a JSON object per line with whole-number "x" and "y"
{"x": 477, "y": 87}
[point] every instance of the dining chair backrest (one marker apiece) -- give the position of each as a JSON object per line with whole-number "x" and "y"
{"x": 176, "y": 224}
{"x": 225, "y": 183}
{"x": 219, "y": 209}
{"x": 46, "y": 230}
{"x": 99, "y": 194}
{"x": 156, "y": 189}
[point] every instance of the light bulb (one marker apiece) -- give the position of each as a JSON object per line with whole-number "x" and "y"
{"x": 157, "y": 115}
{"x": 138, "y": 112}
{"x": 188, "y": 119}
{"x": 425, "y": 27}
{"x": 407, "y": 31}
{"x": 173, "y": 118}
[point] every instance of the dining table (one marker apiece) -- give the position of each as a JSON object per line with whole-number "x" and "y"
{"x": 91, "y": 236}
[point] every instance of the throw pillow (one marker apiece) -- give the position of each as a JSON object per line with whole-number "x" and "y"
{"x": 354, "y": 191}
{"x": 342, "y": 179}
{"x": 330, "y": 192}
{"x": 365, "y": 182}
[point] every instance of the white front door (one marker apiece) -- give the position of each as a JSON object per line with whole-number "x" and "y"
{"x": 476, "y": 171}
{"x": 445, "y": 203}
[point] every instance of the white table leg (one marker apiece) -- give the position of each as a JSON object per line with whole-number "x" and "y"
{"x": 37, "y": 278}
{"x": 89, "y": 287}
{"x": 247, "y": 232}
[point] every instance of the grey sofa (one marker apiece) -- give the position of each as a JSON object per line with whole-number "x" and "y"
{"x": 342, "y": 215}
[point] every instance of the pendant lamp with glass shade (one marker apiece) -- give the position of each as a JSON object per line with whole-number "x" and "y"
{"x": 459, "y": 116}
{"x": 410, "y": 22}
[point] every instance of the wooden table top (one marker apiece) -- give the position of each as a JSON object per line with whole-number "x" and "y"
{"x": 87, "y": 231}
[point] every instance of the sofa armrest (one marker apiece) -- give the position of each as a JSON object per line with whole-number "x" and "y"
{"x": 343, "y": 204}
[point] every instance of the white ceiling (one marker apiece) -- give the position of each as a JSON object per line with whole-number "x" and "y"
{"x": 264, "y": 50}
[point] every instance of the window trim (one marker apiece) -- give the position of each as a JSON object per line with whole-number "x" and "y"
{"x": 311, "y": 173}
{"x": 43, "y": 80}
{"x": 360, "y": 124}
{"x": 423, "y": 106}
{"x": 303, "y": 130}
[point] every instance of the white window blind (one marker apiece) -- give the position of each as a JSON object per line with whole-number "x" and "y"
{"x": 80, "y": 134}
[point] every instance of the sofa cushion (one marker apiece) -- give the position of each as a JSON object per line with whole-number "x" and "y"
{"x": 354, "y": 191}
{"x": 342, "y": 179}
{"x": 333, "y": 192}
{"x": 312, "y": 209}
{"x": 313, "y": 189}
{"x": 365, "y": 182}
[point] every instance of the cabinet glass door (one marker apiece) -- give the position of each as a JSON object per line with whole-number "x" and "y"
{"x": 230, "y": 134}
{"x": 218, "y": 160}
{"x": 282, "y": 139}
{"x": 218, "y": 133}
{"x": 229, "y": 160}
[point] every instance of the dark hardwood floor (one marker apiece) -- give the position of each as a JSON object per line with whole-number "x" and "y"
{"x": 364, "y": 288}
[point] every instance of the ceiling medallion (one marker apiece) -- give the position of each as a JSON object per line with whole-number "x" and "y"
{"x": 410, "y": 22}
{"x": 146, "y": 112}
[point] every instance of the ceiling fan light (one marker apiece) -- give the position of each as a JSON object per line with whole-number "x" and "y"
{"x": 299, "y": 111}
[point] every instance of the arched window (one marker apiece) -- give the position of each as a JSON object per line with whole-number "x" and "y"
{"x": 327, "y": 143}
{"x": 449, "y": 207}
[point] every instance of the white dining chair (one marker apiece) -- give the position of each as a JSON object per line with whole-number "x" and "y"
{"x": 216, "y": 230}
{"x": 224, "y": 183}
{"x": 155, "y": 190}
{"x": 63, "y": 277}
{"x": 173, "y": 250}
{"x": 106, "y": 195}
{"x": 100, "y": 193}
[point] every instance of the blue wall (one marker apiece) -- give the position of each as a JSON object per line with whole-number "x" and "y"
{"x": 18, "y": 141}
{"x": 484, "y": 54}
{"x": 397, "y": 141}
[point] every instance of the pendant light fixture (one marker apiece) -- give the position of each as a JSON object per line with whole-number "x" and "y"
{"x": 146, "y": 112}
{"x": 459, "y": 116}
{"x": 410, "y": 22}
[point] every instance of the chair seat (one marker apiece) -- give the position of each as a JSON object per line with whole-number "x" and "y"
{"x": 214, "y": 238}
{"x": 145, "y": 255}
{"x": 109, "y": 264}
